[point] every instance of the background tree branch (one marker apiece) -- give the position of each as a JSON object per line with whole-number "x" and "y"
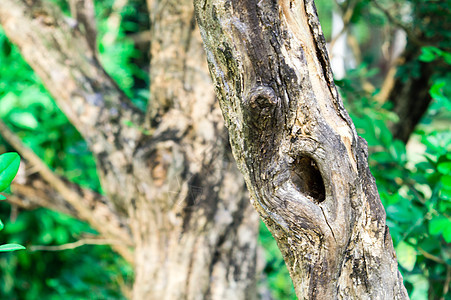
{"x": 84, "y": 14}
{"x": 91, "y": 100}
{"x": 61, "y": 57}
{"x": 41, "y": 186}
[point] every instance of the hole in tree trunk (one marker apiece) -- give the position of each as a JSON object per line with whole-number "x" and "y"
{"x": 306, "y": 177}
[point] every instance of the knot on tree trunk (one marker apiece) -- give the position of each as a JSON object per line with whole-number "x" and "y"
{"x": 261, "y": 103}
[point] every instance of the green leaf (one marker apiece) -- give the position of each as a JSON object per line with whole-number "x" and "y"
{"x": 438, "y": 224}
{"x": 444, "y": 167}
{"x": 447, "y": 234}
{"x": 420, "y": 286}
{"x": 385, "y": 136}
{"x": 11, "y": 247}
{"x": 24, "y": 120}
{"x": 446, "y": 180}
{"x": 398, "y": 151}
{"x": 429, "y": 54}
{"x": 9, "y": 165}
{"x": 436, "y": 90}
{"x": 445, "y": 194}
{"x": 1, "y": 225}
{"x": 447, "y": 58}
{"x": 407, "y": 256}
{"x": 7, "y": 103}
{"x": 2, "y": 197}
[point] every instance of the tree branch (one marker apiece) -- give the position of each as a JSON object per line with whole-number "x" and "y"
{"x": 45, "y": 172}
{"x": 304, "y": 165}
{"x": 176, "y": 74}
{"x": 91, "y": 100}
{"x": 36, "y": 192}
{"x": 62, "y": 58}
{"x": 69, "y": 246}
{"x": 431, "y": 256}
{"x": 84, "y": 13}
{"x": 49, "y": 190}
{"x": 346, "y": 16}
{"x": 395, "y": 21}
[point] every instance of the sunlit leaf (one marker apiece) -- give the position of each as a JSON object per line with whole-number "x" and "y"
{"x": 444, "y": 167}
{"x": 7, "y": 103}
{"x": 420, "y": 286}
{"x": 407, "y": 255}
{"x": 438, "y": 224}
{"x": 446, "y": 180}
{"x": 24, "y": 120}
{"x": 398, "y": 151}
{"x": 11, "y": 247}
{"x": 447, "y": 234}
{"x": 9, "y": 165}
{"x": 445, "y": 194}
{"x": 436, "y": 90}
{"x": 429, "y": 54}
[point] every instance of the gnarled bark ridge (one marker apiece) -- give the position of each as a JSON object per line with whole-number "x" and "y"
{"x": 304, "y": 165}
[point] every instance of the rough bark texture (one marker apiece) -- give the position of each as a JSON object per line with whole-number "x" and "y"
{"x": 304, "y": 165}
{"x": 193, "y": 230}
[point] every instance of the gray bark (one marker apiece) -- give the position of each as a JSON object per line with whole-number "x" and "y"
{"x": 303, "y": 163}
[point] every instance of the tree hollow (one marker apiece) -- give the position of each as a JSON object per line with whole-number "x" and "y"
{"x": 306, "y": 177}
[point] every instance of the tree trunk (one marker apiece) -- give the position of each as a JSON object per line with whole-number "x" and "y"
{"x": 303, "y": 163}
{"x": 410, "y": 96}
{"x": 192, "y": 229}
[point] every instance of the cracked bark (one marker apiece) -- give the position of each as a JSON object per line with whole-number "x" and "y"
{"x": 303, "y": 163}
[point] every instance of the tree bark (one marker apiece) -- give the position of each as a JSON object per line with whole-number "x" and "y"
{"x": 303, "y": 163}
{"x": 193, "y": 230}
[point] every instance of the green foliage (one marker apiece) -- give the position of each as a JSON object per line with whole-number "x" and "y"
{"x": 118, "y": 54}
{"x": 71, "y": 274}
{"x": 325, "y": 8}
{"x": 431, "y": 53}
{"x": 11, "y": 247}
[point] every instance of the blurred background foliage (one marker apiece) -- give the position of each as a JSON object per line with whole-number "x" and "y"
{"x": 413, "y": 174}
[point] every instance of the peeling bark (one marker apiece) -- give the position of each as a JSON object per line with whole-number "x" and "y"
{"x": 303, "y": 163}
